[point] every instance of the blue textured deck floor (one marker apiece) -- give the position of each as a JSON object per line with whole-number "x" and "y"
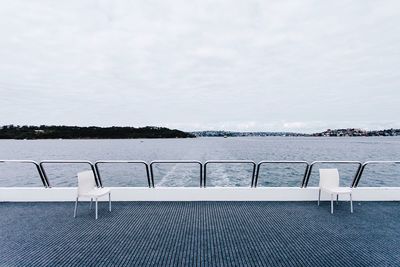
{"x": 200, "y": 233}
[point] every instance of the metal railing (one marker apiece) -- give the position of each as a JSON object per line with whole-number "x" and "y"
{"x": 41, "y": 164}
{"x": 361, "y": 170}
{"x": 175, "y": 162}
{"x": 229, "y": 162}
{"x": 307, "y": 177}
{"x": 43, "y": 177}
{"x": 202, "y": 172}
{"x": 254, "y": 184}
{"x": 96, "y": 166}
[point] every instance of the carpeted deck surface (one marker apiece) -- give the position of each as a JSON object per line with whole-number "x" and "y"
{"x": 200, "y": 234}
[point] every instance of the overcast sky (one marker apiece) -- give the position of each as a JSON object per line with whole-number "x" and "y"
{"x": 299, "y": 66}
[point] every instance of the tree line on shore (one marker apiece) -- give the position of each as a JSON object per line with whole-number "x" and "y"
{"x": 92, "y": 132}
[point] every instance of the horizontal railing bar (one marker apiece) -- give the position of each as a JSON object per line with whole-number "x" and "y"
{"x": 307, "y": 177}
{"x": 123, "y": 161}
{"x": 41, "y": 164}
{"x": 336, "y": 161}
{"x": 382, "y": 161}
{"x": 229, "y": 162}
{"x": 283, "y": 161}
{"x": 175, "y": 162}
{"x": 280, "y": 162}
{"x": 18, "y": 161}
{"x": 66, "y": 161}
{"x": 43, "y": 178}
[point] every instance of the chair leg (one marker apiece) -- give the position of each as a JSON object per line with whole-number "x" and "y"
{"x": 319, "y": 195}
{"x": 109, "y": 201}
{"x": 96, "y": 209}
{"x": 337, "y": 199}
{"x": 351, "y": 203}
{"x": 91, "y": 200}
{"x": 76, "y": 207}
{"x": 331, "y": 203}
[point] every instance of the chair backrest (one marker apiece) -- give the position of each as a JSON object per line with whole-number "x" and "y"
{"x": 328, "y": 178}
{"x": 86, "y": 182}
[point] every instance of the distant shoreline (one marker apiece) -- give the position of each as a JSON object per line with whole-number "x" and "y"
{"x": 201, "y": 137}
{"x": 43, "y": 132}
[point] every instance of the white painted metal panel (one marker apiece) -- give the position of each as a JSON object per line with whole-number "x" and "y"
{"x": 198, "y": 194}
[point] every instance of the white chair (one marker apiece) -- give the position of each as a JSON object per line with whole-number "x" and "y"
{"x": 329, "y": 182}
{"x": 87, "y": 188}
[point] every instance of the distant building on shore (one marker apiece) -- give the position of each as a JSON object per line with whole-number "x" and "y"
{"x": 328, "y": 133}
{"x": 358, "y": 132}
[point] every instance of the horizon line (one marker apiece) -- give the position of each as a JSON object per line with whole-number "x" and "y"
{"x": 213, "y": 130}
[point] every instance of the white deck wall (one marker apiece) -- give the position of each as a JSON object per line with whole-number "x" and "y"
{"x": 21, "y": 194}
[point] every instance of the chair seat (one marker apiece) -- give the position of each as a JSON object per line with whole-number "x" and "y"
{"x": 337, "y": 190}
{"x": 96, "y": 192}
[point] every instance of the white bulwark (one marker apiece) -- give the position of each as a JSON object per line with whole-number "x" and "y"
{"x": 39, "y": 194}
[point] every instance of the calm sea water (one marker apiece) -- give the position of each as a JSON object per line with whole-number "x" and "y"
{"x": 202, "y": 149}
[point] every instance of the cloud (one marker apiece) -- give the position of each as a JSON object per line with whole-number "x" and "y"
{"x": 295, "y": 125}
{"x": 262, "y": 65}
